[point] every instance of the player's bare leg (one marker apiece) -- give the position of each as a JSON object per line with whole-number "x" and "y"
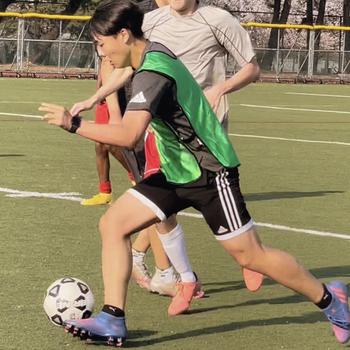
{"x": 142, "y": 241}
{"x": 140, "y": 271}
{"x": 126, "y": 216}
{"x": 280, "y": 266}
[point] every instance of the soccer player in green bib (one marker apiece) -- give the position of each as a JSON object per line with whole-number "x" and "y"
{"x": 198, "y": 167}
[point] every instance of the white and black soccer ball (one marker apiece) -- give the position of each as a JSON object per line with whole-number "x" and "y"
{"x": 68, "y": 298}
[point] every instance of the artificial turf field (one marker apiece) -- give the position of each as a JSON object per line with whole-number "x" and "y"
{"x": 287, "y": 180}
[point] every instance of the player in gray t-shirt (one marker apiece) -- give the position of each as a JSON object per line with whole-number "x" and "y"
{"x": 204, "y": 37}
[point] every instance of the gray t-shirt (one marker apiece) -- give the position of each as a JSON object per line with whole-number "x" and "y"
{"x": 203, "y": 41}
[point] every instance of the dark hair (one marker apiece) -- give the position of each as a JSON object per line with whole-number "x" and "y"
{"x": 113, "y": 15}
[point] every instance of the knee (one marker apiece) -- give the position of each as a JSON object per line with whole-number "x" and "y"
{"x": 104, "y": 228}
{"x": 109, "y": 227}
{"x": 103, "y": 224}
{"x": 248, "y": 257}
{"x": 244, "y": 259}
{"x": 100, "y": 148}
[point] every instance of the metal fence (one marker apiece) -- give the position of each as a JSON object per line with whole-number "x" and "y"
{"x": 45, "y": 45}
{"x": 303, "y": 51}
{"x": 33, "y": 44}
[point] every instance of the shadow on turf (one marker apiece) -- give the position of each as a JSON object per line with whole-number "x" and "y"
{"x": 218, "y": 287}
{"x": 11, "y": 155}
{"x": 329, "y": 273}
{"x": 308, "y": 318}
{"x": 284, "y": 195}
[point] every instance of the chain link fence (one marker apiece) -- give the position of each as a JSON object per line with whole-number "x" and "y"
{"x": 46, "y": 46}
{"x": 39, "y": 45}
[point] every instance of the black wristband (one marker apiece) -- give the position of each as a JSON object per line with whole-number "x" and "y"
{"x": 76, "y": 121}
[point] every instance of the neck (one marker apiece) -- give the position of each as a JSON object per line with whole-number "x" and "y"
{"x": 161, "y": 3}
{"x": 137, "y": 50}
{"x": 186, "y": 11}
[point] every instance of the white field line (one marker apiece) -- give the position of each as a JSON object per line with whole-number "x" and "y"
{"x": 22, "y": 115}
{"x": 320, "y": 95}
{"x": 294, "y": 109}
{"x": 20, "y": 102}
{"x": 74, "y": 196}
{"x": 285, "y": 228}
{"x": 27, "y": 102}
{"x": 238, "y": 135}
{"x": 292, "y": 140}
{"x": 71, "y": 196}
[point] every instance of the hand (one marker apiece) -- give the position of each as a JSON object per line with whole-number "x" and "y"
{"x": 56, "y": 115}
{"x": 82, "y": 106}
{"x": 213, "y": 95}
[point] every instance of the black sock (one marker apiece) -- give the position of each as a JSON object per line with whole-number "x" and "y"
{"x": 113, "y": 310}
{"x": 326, "y": 299}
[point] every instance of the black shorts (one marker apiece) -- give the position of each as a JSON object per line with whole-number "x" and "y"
{"x": 216, "y": 195}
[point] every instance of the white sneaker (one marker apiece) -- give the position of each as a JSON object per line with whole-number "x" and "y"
{"x": 140, "y": 271}
{"x": 164, "y": 282}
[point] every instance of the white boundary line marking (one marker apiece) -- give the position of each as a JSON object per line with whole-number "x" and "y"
{"x": 294, "y": 109}
{"x": 310, "y": 232}
{"x": 292, "y": 140}
{"x": 238, "y": 135}
{"x": 20, "y": 102}
{"x": 320, "y": 95}
{"x": 22, "y": 115}
{"x": 284, "y": 228}
{"x": 74, "y": 196}
{"x": 71, "y": 196}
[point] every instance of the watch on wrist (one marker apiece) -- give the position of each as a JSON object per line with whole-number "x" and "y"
{"x": 76, "y": 121}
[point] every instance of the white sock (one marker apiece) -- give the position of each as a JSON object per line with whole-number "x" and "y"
{"x": 175, "y": 248}
{"x": 138, "y": 257}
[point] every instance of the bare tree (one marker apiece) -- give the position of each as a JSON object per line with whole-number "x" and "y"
{"x": 309, "y": 19}
{"x": 319, "y": 21}
{"x": 50, "y": 30}
{"x": 280, "y": 16}
{"x": 346, "y": 22}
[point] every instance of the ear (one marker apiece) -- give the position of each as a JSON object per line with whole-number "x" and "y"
{"x": 126, "y": 36}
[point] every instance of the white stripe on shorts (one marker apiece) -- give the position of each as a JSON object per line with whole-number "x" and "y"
{"x": 228, "y": 202}
{"x": 236, "y": 233}
{"x": 148, "y": 203}
{"x": 233, "y": 202}
{"x": 222, "y": 200}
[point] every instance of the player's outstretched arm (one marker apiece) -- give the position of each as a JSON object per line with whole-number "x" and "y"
{"x": 124, "y": 134}
{"x": 117, "y": 79}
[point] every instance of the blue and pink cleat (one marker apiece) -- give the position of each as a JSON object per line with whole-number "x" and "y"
{"x": 102, "y": 329}
{"x": 338, "y": 311}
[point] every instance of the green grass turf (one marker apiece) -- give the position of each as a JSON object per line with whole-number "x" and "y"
{"x": 301, "y": 185}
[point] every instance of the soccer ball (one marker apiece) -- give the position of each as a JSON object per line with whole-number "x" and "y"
{"x": 68, "y": 298}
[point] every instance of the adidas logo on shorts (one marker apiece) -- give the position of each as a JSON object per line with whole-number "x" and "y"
{"x": 222, "y": 230}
